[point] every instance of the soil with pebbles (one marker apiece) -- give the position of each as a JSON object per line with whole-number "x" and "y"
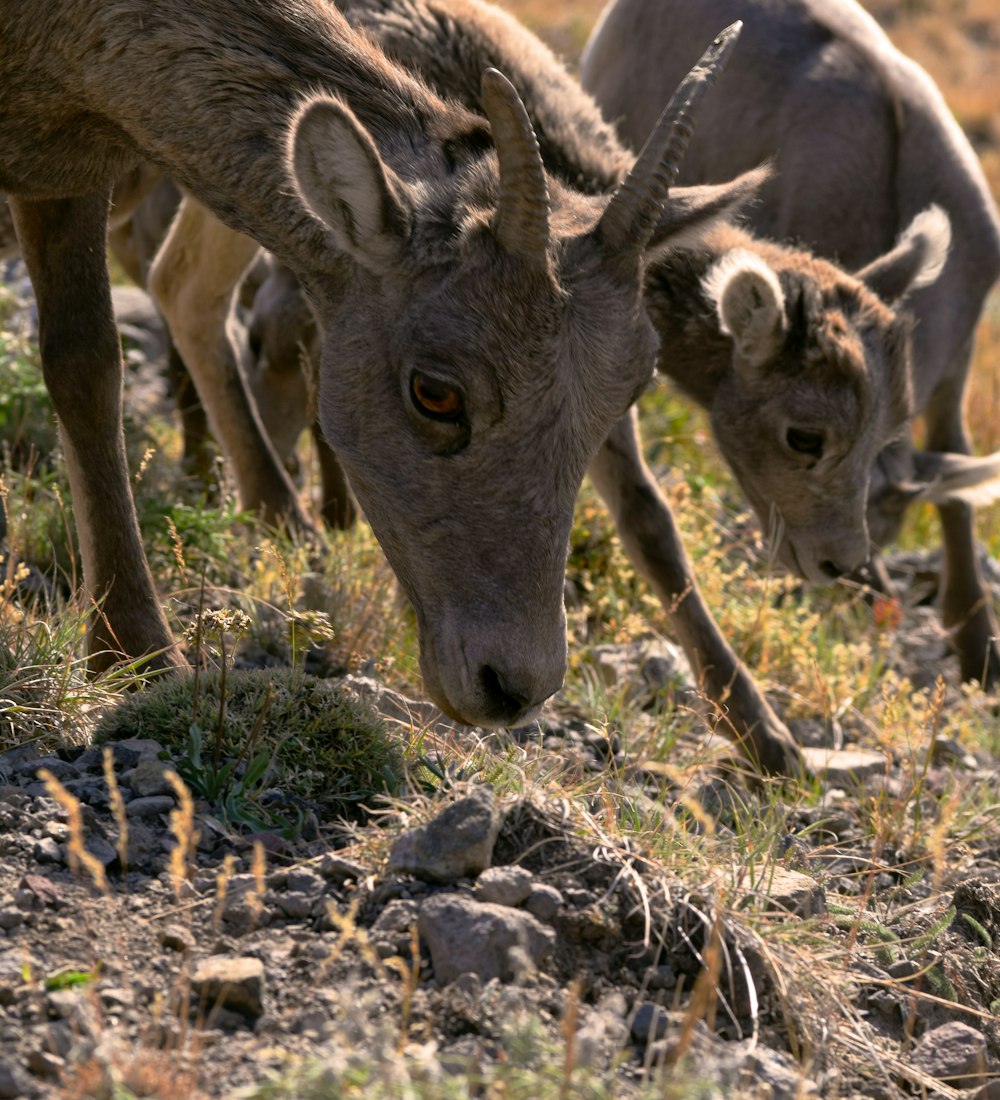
{"x": 471, "y": 922}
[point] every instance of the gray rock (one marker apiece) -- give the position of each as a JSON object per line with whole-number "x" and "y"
{"x": 295, "y": 906}
{"x": 650, "y": 1022}
{"x": 127, "y": 754}
{"x": 57, "y": 1039}
{"x": 243, "y": 910}
{"x": 661, "y": 977}
{"x": 844, "y": 767}
{"x": 46, "y": 850}
{"x": 147, "y": 778}
{"x": 602, "y": 1033}
{"x": 175, "y": 938}
{"x": 13, "y": 1083}
{"x": 791, "y": 892}
{"x": 14, "y": 759}
{"x": 954, "y": 1052}
{"x": 11, "y": 917}
{"x": 504, "y": 885}
{"x": 491, "y": 941}
{"x": 90, "y": 790}
{"x": 114, "y": 999}
{"x": 457, "y": 843}
{"x": 153, "y": 806}
{"x": 304, "y": 880}
{"x": 396, "y": 919}
{"x": 43, "y": 1064}
{"x": 335, "y": 869}
{"x": 643, "y": 669}
{"x": 101, "y": 849}
{"x": 543, "y": 902}
{"x": 59, "y": 768}
{"x": 235, "y": 984}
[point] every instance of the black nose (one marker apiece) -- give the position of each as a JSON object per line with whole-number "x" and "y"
{"x": 503, "y": 702}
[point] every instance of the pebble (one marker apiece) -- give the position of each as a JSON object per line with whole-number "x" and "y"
{"x": 458, "y": 843}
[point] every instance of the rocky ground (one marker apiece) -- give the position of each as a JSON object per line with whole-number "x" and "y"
{"x": 453, "y": 935}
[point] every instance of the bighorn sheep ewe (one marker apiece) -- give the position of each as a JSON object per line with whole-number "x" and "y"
{"x": 485, "y": 317}
{"x": 861, "y": 141}
{"x": 448, "y": 42}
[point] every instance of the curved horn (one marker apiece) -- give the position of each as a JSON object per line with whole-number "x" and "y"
{"x": 630, "y": 217}
{"x": 521, "y": 222}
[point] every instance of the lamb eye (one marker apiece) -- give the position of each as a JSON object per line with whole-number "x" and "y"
{"x": 805, "y": 442}
{"x": 436, "y": 398}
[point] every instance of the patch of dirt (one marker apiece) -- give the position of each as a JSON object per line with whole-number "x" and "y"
{"x": 322, "y": 951}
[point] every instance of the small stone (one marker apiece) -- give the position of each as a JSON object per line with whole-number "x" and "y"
{"x": 58, "y": 1039}
{"x": 335, "y": 869}
{"x": 148, "y": 777}
{"x": 46, "y": 850}
{"x": 58, "y": 830}
{"x": 152, "y": 806}
{"x": 954, "y": 1053}
{"x": 13, "y": 1083}
{"x": 243, "y": 909}
{"x": 236, "y": 984}
{"x": 101, "y": 849}
{"x": 397, "y": 916}
{"x": 17, "y": 757}
{"x": 492, "y": 941}
{"x": 650, "y": 1022}
{"x": 63, "y": 1004}
{"x": 543, "y": 902}
{"x": 844, "y": 767}
{"x": 175, "y": 938}
{"x": 304, "y": 880}
{"x": 661, "y": 977}
{"x": 504, "y": 885}
{"x": 43, "y": 1064}
{"x": 114, "y": 999}
{"x": 791, "y": 892}
{"x": 458, "y": 843}
{"x": 295, "y": 906}
{"x": 59, "y": 768}
{"x": 127, "y": 754}
{"x": 10, "y": 917}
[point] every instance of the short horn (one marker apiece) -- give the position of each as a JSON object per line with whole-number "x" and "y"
{"x": 521, "y": 221}
{"x": 631, "y": 216}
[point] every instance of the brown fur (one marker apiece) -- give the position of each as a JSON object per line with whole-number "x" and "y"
{"x": 420, "y": 247}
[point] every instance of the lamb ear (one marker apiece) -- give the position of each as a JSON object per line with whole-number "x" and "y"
{"x": 690, "y": 212}
{"x": 344, "y": 182}
{"x": 916, "y": 260}
{"x": 750, "y": 303}
{"x": 944, "y": 476}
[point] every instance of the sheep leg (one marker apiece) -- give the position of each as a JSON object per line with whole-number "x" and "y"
{"x": 63, "y": 244}
{"x": 194, "y": 280}
{"x": 651, "y": 538}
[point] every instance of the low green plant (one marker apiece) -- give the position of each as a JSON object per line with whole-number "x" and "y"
{"x": 278, "y": 729}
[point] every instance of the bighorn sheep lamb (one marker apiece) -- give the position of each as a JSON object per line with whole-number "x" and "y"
{"x": 861, "y": 141}
{"x": 485, "y": 316}
{"x": 448, "y": 43}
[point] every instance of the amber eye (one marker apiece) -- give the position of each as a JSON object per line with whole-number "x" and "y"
{"x": 805, "y": 442}
{"x": 435, "y": 397}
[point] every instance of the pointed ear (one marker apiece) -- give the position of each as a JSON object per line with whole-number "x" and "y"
{"x": 344, "y": 182}
{"x": 690, "y": 212}
{"x": 916, "y": 261}
{"x": 944, "y": 476}
{"x": 750, "y": 303}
